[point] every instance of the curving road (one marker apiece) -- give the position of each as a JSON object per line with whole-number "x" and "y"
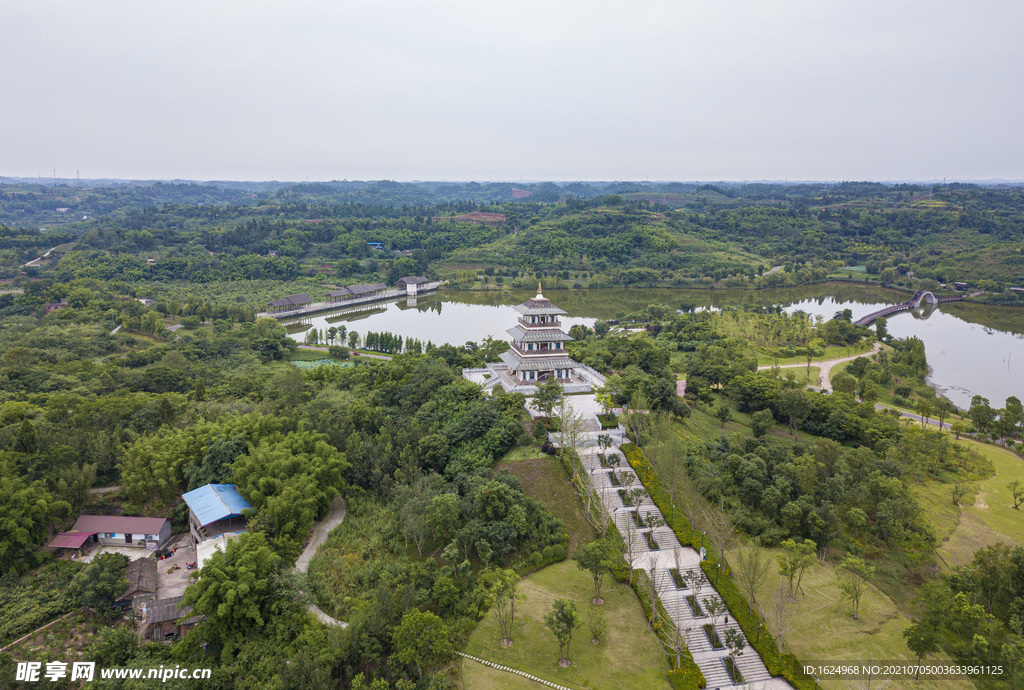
{"x": 335, "y": 516}
{"x": 825, "y": 367}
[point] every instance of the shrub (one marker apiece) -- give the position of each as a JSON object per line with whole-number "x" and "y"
{"x": 549, "y": 553}
{"x": 536, "y": 558}
{"x": 339, "y": 351}
{"x": 191, "y": 322}
{"x": 558, "y": 552}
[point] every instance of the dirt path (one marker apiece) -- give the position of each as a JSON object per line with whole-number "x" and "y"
{"x": 334, "y": 517}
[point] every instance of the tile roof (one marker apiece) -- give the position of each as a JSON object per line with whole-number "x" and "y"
{"x": 141, "y": 574}
{"x": 119, "y": 524}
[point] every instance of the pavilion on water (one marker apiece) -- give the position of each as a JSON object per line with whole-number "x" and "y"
{"x": 537, "y": 354}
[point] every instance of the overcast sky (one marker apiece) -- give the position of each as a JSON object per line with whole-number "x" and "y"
{"x": 677, "y": 90}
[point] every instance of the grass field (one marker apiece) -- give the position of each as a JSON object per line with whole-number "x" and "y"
{"x": 989, "y": 517}
{"x": 544, "y": 480}
{"x": 628, "y": 657}
{"x": 824, "y": 630}
{"x": 831, "y": 352}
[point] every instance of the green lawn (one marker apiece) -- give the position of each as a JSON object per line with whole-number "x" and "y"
{"x": 545, "y": 480}
{"x": 629, "y": 656}
{"x": 824, "y": 630}
{"x": 831, "y": 352}
{"x": 988, "y": 516}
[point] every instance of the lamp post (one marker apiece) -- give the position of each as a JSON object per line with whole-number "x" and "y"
{"x": 815, "y": 682}
{"x": 758, "y": 638}
{"x": 717, "y": 573}
{"x": 702, "y": 533}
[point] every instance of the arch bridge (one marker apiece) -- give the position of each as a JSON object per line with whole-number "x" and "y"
{"x": 912, "y": 303}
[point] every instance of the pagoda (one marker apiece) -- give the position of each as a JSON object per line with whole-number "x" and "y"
{"x": 537, "y": 354}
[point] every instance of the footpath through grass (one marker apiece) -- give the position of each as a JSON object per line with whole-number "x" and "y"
{"x": 628, "y": 657}
{"x": 986, "y": 514}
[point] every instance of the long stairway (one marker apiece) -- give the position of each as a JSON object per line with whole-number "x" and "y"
{"x": 658, "y": 563}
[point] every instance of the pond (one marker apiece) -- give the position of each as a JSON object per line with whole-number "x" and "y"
{"x": 972, "y": 349}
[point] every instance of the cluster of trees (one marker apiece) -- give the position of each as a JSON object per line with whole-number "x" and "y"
{"x": 976, "y": 612}
{"x": 409, "y": 440}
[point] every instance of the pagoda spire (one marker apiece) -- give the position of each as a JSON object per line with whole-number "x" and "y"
{"x": 540, "y": 295}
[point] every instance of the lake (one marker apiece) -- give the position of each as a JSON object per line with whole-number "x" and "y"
{"x": 972, "y": 349}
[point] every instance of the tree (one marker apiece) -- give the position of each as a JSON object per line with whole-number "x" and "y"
{"x": 100, "y": 583}
{"x": 723, "y": 413}
{"x": 958, "y": 428}
{"x": 881, "y": 328}
{"x": 853, "y": 573}
{"x": 1012, "y": 655}
{"x": 735, "y": 641}
{"x": 721, "y": 529}
{"x": 922, "y": 640}
{"x": 714, "y": 607}
{"x": 944, "y": 408}
{"x": 421, "y": 639}
{"x": 26, "y": 512}
{"x": 957, "y": 491}
{"x": 925, "y": 408}
{"x": 752, "y": 565}
{"x": 794, "y": 404}
{"x": 549, "y": 394}
{"x": 631, "y": 546}
{"x": 797, "y": 557}
{"x": 594, "y": 558}
{"x": 234, "y": 591}
{"x": 779, "y": 615}
{"x": 761, "y": 423}
{"x": 295, "y": 478}
{"x": 502, "y": 587}
{"x": 562, "y": 621}
{"x": 981, "y": 413}
{"x": 1018, "y": 493}
{"x": 597, "y": 624}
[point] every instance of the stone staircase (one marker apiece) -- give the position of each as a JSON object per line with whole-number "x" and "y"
{"x": 658, "y": 562}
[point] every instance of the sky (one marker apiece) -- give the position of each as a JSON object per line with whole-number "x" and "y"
{"x": 563, "y": 90}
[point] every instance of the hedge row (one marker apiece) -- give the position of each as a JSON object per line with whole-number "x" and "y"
{"x": 788, "y": 666}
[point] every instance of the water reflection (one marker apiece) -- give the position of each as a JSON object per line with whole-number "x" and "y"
{"x": 971, "y": 348}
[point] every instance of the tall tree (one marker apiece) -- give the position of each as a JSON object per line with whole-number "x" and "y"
{"x": 752, "y": 566}
{"x": 593, "y": 557}
{"x": 853, "y": 574}
{"x": 562, "y": 621}
{"x": 421, "y": 639}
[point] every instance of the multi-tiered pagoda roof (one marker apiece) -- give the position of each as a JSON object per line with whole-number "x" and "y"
{"x": 538, "y": 343}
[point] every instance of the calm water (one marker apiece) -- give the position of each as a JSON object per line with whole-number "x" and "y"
{"x": 972, "y": 349}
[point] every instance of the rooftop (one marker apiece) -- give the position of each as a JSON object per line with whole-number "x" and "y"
{"x": 538, "y": 305}
{"x": 119, "y": 524}
{"x": 141, "y": 576}
{"x": 215, "y": 502}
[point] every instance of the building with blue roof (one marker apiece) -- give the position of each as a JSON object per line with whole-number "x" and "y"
{"x": 215, "y": 509}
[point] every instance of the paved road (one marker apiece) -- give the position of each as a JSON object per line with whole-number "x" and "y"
{"x": 911, "y": 415}
{"x": 334, "y": 517}
{"x": 825, "y": 367}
